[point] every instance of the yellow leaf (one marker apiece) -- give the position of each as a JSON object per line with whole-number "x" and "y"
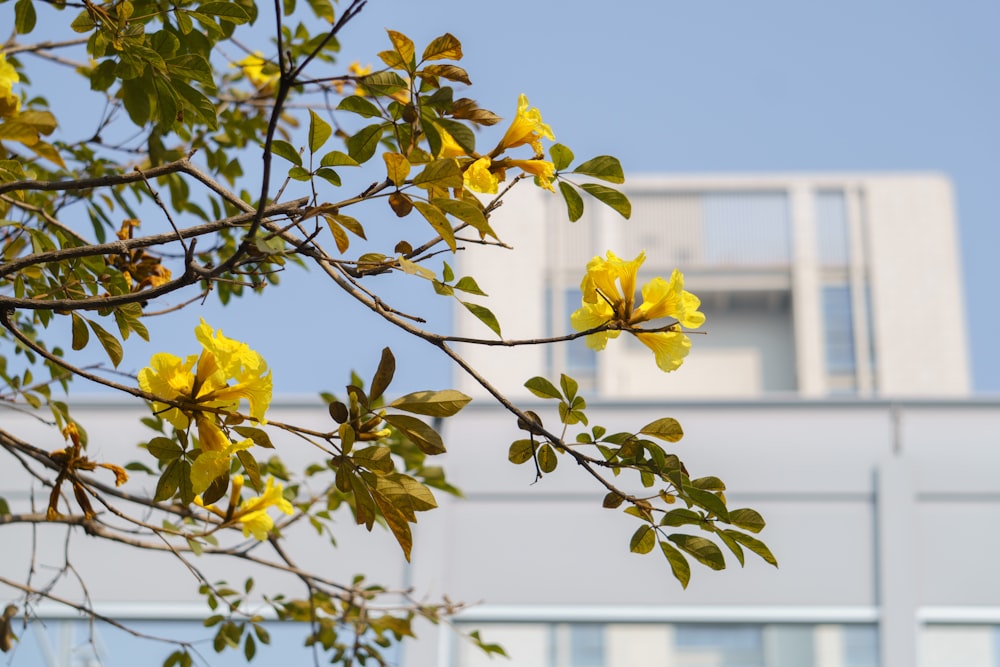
{"x": 397, "y": 167}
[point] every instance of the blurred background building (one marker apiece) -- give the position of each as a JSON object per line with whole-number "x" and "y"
{"x": 831, "y": 392}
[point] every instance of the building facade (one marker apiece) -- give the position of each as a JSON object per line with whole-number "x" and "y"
{"x": 830, "y": 391}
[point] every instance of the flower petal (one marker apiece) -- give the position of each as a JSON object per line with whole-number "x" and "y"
{"x": 670, "y": 348}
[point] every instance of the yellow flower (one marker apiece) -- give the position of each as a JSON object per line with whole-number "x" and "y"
{"x": 478, "y": 177}
{"x": 608, "y": 300}
{"x": 253, "y": 66}
{"x": 216, "y": 453}
{"x": 527, "y": 128}
{"x": 543, "y": 170}
{"x": 224, "y": 359}
{"x": 201, "y": 385}
{"x": 668, "y": 299}
{"x": 10, "y": 103}
{"x": 449, "y": 147}
{"x": 357, "y": 71}
{"x": 170, "y": 377}
{"x": 252, "y": 513}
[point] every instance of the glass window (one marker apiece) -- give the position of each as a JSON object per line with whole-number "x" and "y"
{"x": 831, "y": 228}
{"x": 746, "y": 228}
{"x": 838, "y": 329}
{"x": 71, "y": 643}
{"x": 586, "y": 645}
{"x": 681, "y": 645}
{"x": 723, "y": 645}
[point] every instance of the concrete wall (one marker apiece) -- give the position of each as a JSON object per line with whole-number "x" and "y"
{"x": 876, "y": 511}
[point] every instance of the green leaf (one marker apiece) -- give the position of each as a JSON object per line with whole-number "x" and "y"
{"x": 383, "y": 84}
{"x": 251, "y": 468}
{"x": 24, "y": 16}
{"x": 681, "y": 517}
{"x": 196, "y": 102}
{"x": 468, "y": 284}
{"x": 747, "y": 519}
{"x": 542, "y": 388}
{"x": 612, "y": 500}
{"x": 259, "y": 437}
{"x": 83, "y": 22}
{"x": 444, "y": 47}
{"x": 360, "y": 106}
{"x": 733, "y": 546}
{"x": 485, "y": 315}
{"x": 4, "y": 507}
{"x": 384, "y": 374}
{"x": 230, "y": 11}
{"x": 361, "y": 147}
{"x": 80, "y": 334}
{"x": 562, "y": 156}
{"x": 338, "y": 159}
{"x": 611, "y": 197}
{"x": 707, "y": 500}
{"x": 570, "y": 387}
{"x": 668, "y": 429}
{"x": 643, "y": 540}
{"x": 678, "y": 564}
{"x": 396, "y": 521}
{"x": 547, "y": 459}
{"x": 164, "y": 449}
{"x": 466, "y": 212}
{"x": 709, "y": 483}
{"x": 443, "y": 403}
{"x": 443, "y": 173}
{"x": 166, "y": 487}
{"x": 574, "y": 202}
{"x": 604, "y": 167}
{"x": 437, "y": 220}
{"x": 319, "y": 131}
{"x": 754, "y": 545}
{"x": 299, "y": 174}
{"x": 704, "y": 551}
{"x": 329, "y": 175}
{"x": 136, "y": 97}
{"x": 110, "y": 343}
{"x": 521, "y": 451}
{"x": 287, "y": 151}
{"x": 417, "y": 432}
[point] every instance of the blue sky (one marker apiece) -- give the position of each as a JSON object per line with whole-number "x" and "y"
{"x": 768, "y": 85}
{"x": 680, "y": 87}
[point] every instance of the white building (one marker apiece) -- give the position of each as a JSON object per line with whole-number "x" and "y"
{"x": 831, "y": 392}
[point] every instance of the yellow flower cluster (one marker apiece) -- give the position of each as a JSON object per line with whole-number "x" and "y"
{"x": 200, "y": 384}
{"x": 10, "y": 103}
{"x": 252, "y": 514}
{"x": 609, "y": 300}
{"x": 485, "y": 173}
{"x": 253, "y": 66}
{"x": 358, "y": 71}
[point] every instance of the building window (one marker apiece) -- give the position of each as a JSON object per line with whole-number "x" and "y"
{"x": 831, "y": 228}
{"x": 838, "y": 332}
{"x": 650, "y": 644}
